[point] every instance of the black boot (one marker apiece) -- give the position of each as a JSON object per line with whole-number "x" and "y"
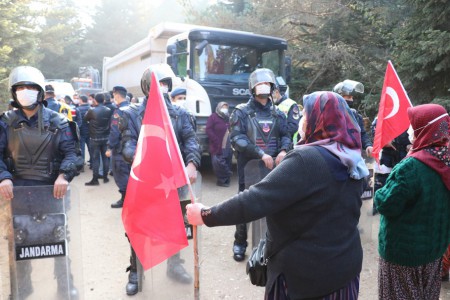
{"x": 240, "y": 242}
{"x": 94, "y": 181}
{"x": 105, "y": 179}
{"x": 132, "y": 287}
{"x": 119, "y": 203}
{"x": 176, "y": 271}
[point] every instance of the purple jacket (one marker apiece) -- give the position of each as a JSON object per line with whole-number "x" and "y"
{"x": 216, "y": 128}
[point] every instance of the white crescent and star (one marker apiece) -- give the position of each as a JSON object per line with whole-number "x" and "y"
{"x": 391, "y": 92}
{"x": 146, "y": 131}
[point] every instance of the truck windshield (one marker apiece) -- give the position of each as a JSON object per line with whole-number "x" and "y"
{"x": 231, "y": 64}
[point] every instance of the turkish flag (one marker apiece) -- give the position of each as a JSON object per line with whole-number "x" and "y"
{"x": 392, "y": 112}
{"x": 152, "y": 213}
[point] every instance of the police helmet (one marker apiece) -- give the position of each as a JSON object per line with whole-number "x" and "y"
{"x": 163, "y": 73}
{"x": 349, "y": 88}
{"x": 26, "y": 75}
{"x": 259, "y": 76}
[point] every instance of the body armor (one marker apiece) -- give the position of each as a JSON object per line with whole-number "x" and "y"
{"x": 40, "y": 159}
{"x": 263, "y": 131}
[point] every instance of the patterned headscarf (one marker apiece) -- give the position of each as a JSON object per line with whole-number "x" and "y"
{"x": 331, "y": 124}
{"x": 431, "y": 124}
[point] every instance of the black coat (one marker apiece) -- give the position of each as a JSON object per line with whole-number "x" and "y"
{"x": 99, "y": 119}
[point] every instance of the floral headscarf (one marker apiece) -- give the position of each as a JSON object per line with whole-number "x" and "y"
{"x": 431, "y": 124}
{"x": 331, "y": 124}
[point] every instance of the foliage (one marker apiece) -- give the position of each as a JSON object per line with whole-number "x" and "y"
{"x": 17, "y": 41}
{"x": 423, "y": 50}
{"x": 329, "y": 40}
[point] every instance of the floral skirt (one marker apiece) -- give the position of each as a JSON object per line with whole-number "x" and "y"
{"x": 279, "y": 291}
{"x": 397, "y": 282}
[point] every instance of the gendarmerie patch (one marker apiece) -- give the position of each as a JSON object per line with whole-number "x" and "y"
{"x": 24, "y": 252}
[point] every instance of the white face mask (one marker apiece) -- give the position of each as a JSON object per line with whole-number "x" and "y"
{"x": 262, "y": 89}
{"x": 164, "y": 89}
{"x": 27, "y": 97}
{"x": 90, "y": 102}
{"x": 180, "y": 103}
{"x": 411, "y": 134}
{"x": 224, "y": 111}
{"x": 76, "y": 101}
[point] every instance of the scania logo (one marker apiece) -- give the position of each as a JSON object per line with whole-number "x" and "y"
{"x": 241, "y": 92}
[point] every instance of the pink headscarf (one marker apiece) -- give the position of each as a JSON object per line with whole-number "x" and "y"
{"x": 431, "y": 124}
{"x": 331, "y": 125}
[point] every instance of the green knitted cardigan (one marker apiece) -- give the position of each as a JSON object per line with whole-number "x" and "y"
{"x": 415, "y": 215}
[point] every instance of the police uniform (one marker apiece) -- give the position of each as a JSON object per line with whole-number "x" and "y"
{"x": 256, "y": 130}
{"x": 120, "y": 168}
{"x": 183, "y": 125}
{"x": 54, "y": 151}
{"x": 292, "y": 112}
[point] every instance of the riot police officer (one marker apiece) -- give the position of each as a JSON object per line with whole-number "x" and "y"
{"x": 347, "y": 89}
{"x": 120, "y": 168}
{"x": 288, "y": 106}
{"x": 34, "y": 130}
{"x": 258, "y": 130}
{"x": 183, "y": 126}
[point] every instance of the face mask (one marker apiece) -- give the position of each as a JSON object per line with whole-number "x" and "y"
{"x": 411, "y": 134}
{"x": 224, "y": 111}
{"x": 27, "y": 97}
{"x": 262, "y": 89}
{"x": 349, "y": 103}
{"x": 164, "y": 89}
{"x": 76, "y": 101}
{"x": 90, "y": 102}
{"x": 180, "y": 103}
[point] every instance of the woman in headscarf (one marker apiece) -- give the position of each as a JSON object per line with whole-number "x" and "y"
{"x": 311, "y": 202}
{"x": 219, "y": 143}
{"x": 415, "y": 207}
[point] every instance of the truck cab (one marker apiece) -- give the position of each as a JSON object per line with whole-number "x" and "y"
{"x": 217, "y": 64}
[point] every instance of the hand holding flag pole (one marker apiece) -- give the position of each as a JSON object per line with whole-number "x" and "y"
{"x": 392, "y": 113}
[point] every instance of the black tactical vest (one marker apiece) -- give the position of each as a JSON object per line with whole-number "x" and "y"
{"x": 263, "y": 131}
{"x": 33, "y": 155}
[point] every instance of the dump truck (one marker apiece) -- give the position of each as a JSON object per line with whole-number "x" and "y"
{"x": 213, "y": 64}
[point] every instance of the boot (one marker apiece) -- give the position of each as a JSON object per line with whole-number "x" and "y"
{"x": 132, "y": 287}
{"x": 94, "y": 181}
{"x": 176, "y": 271}
{"x": 119, "y": 203}
{"x": 240, "y": 242}
{"x": 105, "y": 179}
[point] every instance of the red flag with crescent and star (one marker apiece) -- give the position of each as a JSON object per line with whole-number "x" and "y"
{"x": 392, "y": 113}
{"x": 151, "y": 212}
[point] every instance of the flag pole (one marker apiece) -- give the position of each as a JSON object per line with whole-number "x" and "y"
{"x": 195, "y": 246}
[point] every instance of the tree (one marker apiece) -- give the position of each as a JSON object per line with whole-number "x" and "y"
{"x": 60, "y": 34}
{"x": 17, "y": 42}
{"x": 423, "y": 50}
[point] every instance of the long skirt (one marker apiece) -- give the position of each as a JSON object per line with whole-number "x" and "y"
{"x": 279, "y": 291}
{"x": 397, "y": 282}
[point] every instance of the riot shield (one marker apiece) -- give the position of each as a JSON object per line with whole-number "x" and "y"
{"x": 41, "y": 234}
{"x": 255, "y": 170}
{"x": 160, "y": 281}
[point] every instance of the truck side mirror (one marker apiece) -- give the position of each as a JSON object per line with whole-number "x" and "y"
{"x": 200, "y": 47}
{"x": 171, "y": 49}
